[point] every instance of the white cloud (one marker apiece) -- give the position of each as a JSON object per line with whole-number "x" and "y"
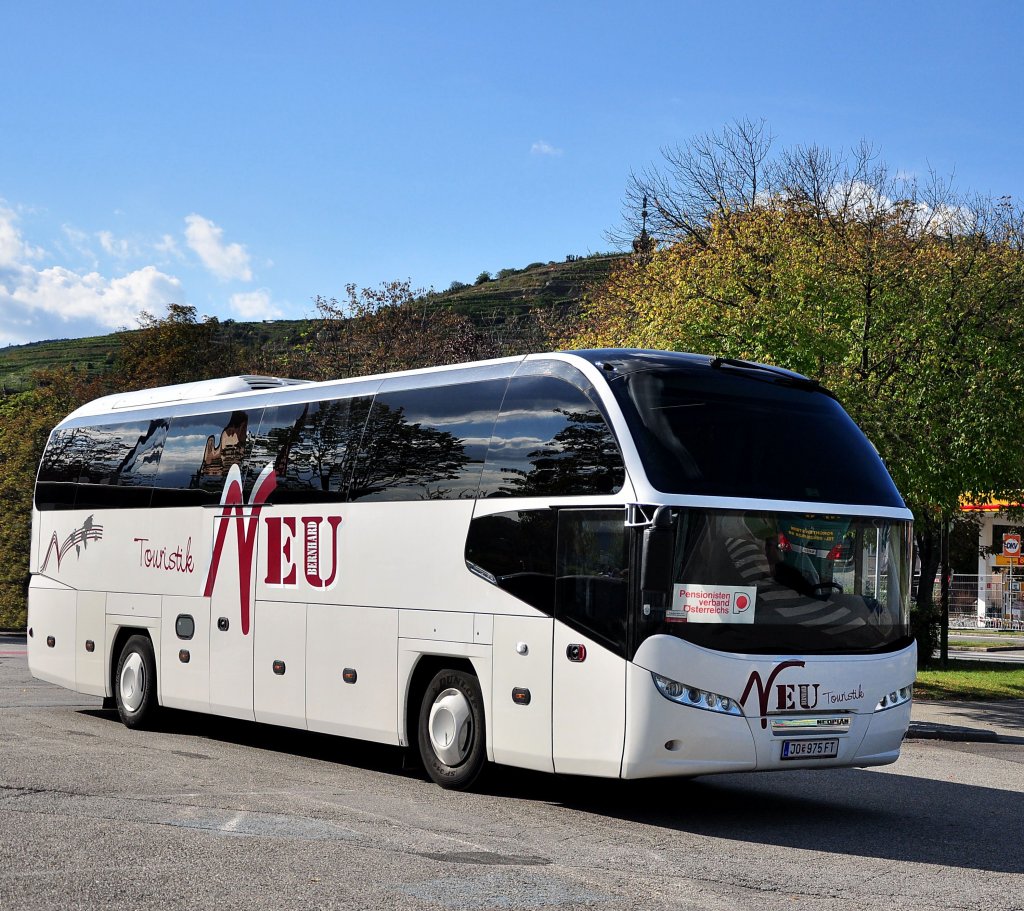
{"x": 542, "y": 147}
{"x": 225, "y": 261}
{"x": 117, "y": 247}
{"x": 13, "y": 248}
{"x": 168, "y": 246}
{"x": 80, "y": 242}
{"x": 56, "y": 302}
{"x": 255, "y": 305}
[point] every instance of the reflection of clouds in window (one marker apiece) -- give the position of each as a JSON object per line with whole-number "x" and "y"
{"x": 202, "y": 446}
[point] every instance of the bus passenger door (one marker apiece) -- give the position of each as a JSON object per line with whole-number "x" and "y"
{"x": 589, "y": 669}
{"x": 232, "y": 620}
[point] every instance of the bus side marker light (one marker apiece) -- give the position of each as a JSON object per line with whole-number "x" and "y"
{"x": 50, "y": 641}
{"x": 349, "y": 675}
{"x": 90, "y": 646}
{"x": 521, "y": 695}
{"x": 184, "y": 656}
{"x": 278, "y": 667}
{"x": 577, "y": 652}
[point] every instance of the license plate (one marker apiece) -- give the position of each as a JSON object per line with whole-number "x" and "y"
{"x": 810, "y": 749}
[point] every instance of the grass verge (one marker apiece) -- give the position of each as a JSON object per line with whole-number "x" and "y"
{"x": 971, "y": 680}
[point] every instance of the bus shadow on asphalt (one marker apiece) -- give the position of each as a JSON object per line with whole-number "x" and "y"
{"x": 838, "y": 811}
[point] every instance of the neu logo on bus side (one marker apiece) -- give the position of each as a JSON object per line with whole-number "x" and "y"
{"x": 282, "y": 534}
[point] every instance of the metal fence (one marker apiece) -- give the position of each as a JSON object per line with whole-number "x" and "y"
{"x": 990, "y": 601}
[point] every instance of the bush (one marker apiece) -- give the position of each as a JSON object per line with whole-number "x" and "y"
{"x": 483, "y": 278}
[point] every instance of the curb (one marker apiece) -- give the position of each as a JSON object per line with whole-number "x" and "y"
{"x": 926, "y": 731}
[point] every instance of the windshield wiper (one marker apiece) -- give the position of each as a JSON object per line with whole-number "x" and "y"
{"x": 780, "y": 374}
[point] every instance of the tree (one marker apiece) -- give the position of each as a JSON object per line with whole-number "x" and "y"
{"x": 902, "y": 299}
{"x": 177, "y": 348}
{"x": 25, "y": 423}
{"x": 391, "y": 327}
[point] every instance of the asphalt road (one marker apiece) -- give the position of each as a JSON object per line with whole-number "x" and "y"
{"x": 208, "y": 813}
{"x": 1014, "y": 657}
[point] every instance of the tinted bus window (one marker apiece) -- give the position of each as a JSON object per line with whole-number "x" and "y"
{"x": 550, "y": 440}
{"x": 516, "y": 552}
{"x": 100, "y": 467}
{"x": 311, "y": 446}
{"x": 426, "y": 444}
{"x": 120, "y": 465}
{"x": 198, "y": 454}
{"x": 742, "y": 434}
{"x": 59, "y": 469}
{"x": 592, "y": 573}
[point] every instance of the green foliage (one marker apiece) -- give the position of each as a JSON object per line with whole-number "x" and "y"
{"x": 482, "y": 278}
{"x": 25, "y": 423}
{"x": 177, "y": 348}
{"x": 971, "y": 680}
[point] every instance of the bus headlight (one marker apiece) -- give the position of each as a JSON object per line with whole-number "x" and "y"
{"x": 694, "y": 697}
{"x": 895, "y": 698}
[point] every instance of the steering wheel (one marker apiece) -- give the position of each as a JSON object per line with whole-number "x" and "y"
{"x": 825, "y": 588}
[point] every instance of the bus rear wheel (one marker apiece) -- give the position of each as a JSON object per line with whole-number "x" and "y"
{"x": 135, "y": 683}
{"x": 451, "y": 730}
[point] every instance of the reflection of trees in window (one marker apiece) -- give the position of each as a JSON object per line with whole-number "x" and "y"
{"x": 63, "y": 455}
{"x": 311, "y": 446}
{"x": 400, "y": 460}
{"x": 581, "y": 458}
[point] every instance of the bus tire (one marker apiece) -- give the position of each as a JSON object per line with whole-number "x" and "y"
{"x": 135, "y": 683}
{"x": 451, "y": 730}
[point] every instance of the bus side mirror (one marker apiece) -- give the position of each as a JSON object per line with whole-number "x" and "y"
{"x": 658, "y": 551}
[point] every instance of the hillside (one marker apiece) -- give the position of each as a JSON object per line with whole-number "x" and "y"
{"x": 557, "y": 286}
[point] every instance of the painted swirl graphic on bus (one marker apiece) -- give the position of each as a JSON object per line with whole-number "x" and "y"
{"x": 78, "y": 539}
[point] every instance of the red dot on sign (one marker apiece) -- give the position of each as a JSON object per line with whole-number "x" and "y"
{"x": 742, "y": 602}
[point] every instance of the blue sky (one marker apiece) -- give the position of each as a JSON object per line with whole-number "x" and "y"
{"x": 245, "y": 157}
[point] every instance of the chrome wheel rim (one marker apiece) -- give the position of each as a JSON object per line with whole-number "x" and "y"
{"x": 132, "y": 683}
{"x": 450, "y": 727}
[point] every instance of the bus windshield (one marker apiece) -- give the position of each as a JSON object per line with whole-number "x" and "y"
{"x": 756, "y": 582}
{"x": 744, "y": 433}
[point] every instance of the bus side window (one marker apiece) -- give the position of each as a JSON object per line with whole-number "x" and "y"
{"x": 550, "y": 439}
{"x": 426, "y": 444}
{"x": 516, "y": 552}
{"x": 591, "y": 590}
{"x": 198, "y": 453}
{"x": 121, "y": 464}
{"x": 311, "y": 446}
{"x": 59, "y": 470}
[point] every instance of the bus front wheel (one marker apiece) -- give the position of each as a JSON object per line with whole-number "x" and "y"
{"x": 451, "y": 730}
{"x": 135, "y": 683}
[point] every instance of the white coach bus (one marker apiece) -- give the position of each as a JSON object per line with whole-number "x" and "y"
{"x": 614, "y": 563}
